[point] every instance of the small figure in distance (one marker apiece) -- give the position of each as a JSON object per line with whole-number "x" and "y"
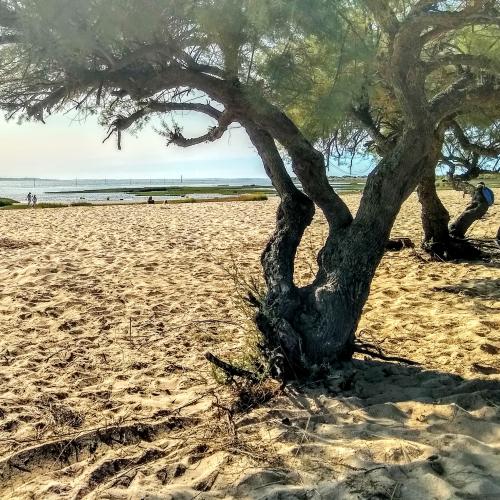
{"x": 29, "y": 198}
{"x": 151, "y": 201}
{"x": 35, "y": 199}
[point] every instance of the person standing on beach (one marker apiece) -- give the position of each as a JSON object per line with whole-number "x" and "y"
{"x": 34, "y": 200}
{"x": 29, "y": 199}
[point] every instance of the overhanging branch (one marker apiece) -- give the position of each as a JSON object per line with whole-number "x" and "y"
{"x": 36, "y": 110}
{"x": 466, "y": 144}
{"x": 214, "y": 133}
{"x": 459, "y": 98}
{"x": 122, "y": 123}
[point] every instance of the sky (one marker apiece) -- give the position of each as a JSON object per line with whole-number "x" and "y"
{"x": 65, "y": 148}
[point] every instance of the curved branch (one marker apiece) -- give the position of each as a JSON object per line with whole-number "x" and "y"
{"x": 122, "y": 123}
{"x": 364, "y": 117}
{"x": 307, "y": 163}
{"x": 295, "y": 213}
{"x": 214, "y": 133}
{"x": 459, "y": 98}
{"x": 466, "y": 144}
{"x": 480, "y": 12}
{"x": 165, "y": 107}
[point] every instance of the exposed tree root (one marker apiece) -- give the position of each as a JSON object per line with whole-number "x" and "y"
{"x": 230, "y": 370}
{"x": 397, "y": 244}
{"x": 375, "y": 352}
{"x": 454, "y": 249}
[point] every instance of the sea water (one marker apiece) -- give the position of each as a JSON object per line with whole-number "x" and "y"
{"x": 63, "y": 190}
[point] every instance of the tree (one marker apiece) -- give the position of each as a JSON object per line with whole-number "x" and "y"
{"x": 131, "y": 60}
{"x": 459, "y": 65}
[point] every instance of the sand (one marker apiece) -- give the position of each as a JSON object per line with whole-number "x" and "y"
{"x": 105, "y": 316}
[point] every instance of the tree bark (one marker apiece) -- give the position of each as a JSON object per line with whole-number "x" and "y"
{"x": 473, "y": 212}
{"x": 438, "y": 240}
{"x": 307, "y": 329}
{"x": 435, "y": 217}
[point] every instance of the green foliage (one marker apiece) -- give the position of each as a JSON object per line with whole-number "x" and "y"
{"x": 5, "y": 202}
{"x": 242, "y": 197}
{"x": 314, "y": 59}
{"x": 180, "y": 190}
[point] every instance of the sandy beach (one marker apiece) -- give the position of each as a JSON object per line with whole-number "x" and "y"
{"x": 106, "y": 314}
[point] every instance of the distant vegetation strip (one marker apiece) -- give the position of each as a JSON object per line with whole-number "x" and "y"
{"x": 7, "y": 202}
{"x": 491, "y": 180}
{"x": 19, "y": 206}
{"x": 243, "y": 197}
{"x": 178, "y": 190}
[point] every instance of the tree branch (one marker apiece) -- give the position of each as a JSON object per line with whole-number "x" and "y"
{"x": 459, "y": 98}
{"x": 165, "y": 107}
{"x": 466, "y": 144}
{"x": 480, "y": 12}
{"x": 51, "y": 100}
{"x": 384, "y": 15}
{"x": 122, "y": 123}
{"x": 363, "y": 116}
{"x": 470, "y": 60}
{"x": 214, "y": 133}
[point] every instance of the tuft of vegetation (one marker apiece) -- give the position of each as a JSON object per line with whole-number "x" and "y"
{"x": 243, "y": 197}
{"x": 82, "y": 204}
{"x": 7, "y": 202}
{"x": 247, "y": 291}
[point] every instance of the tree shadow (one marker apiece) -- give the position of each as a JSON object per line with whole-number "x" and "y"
{"x": 385, "y": 430}
{"x": 482, "y": 288}
{"x": 368, "y": 382}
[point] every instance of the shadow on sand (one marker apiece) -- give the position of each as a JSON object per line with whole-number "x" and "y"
{"x": 387, "y": 431}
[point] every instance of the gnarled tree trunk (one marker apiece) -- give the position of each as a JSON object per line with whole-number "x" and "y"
{"x": 306, "y": 329}
{"x": 476, "y": 209}
{"x": 440, "y": 239}
{"x": 435, "y": 217}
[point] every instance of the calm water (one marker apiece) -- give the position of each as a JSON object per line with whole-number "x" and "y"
{"x": 18, "y": 189}
{"x": 53, "y": 190}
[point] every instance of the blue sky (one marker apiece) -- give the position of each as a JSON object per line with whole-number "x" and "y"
{"x": 64, "y": 148}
